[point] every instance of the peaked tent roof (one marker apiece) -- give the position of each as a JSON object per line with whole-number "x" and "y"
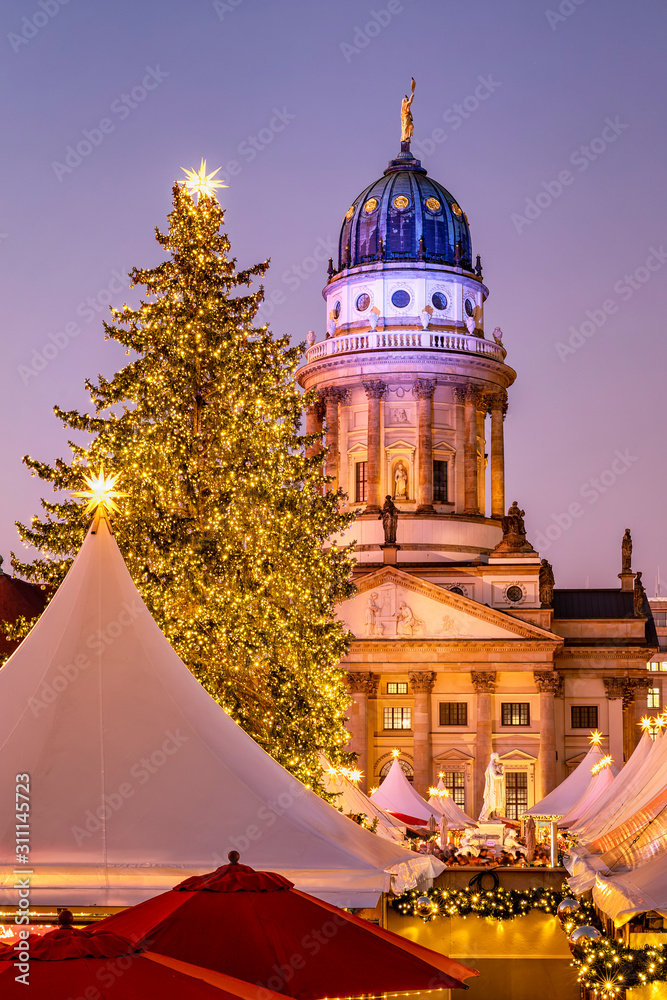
{"x": 137, "y": 775}
{"x": 399, "y": 798}
{"x": 456, "y": 818}
{"x": 559, "y": 801}
{"x": 599, "y": 783}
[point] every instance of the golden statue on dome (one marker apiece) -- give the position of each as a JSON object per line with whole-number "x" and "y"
{"x": 407, "y": 127}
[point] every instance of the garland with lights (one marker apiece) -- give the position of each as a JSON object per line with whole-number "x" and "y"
{"x": 499, "y": 903}
{"x": 607, "y": 968}
{"x": 227, "y": 527}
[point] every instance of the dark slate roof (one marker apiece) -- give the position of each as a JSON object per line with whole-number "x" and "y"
{"x": 441, "y": 223}
{"x": 593, "y": 604}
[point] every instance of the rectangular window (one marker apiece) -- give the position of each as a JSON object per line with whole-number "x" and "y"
{"x": 515, "y": 713}
{"x": 660, "y": 618}
{"x": 398, "y": 718}
{"x": 440, "y": 482}
{"x": 516, "y": 793}
{"x": 653, "y": 698}
{"x": 453, "y": 713}
{"x": 584, "y": 716}
{"x": 455, "y": 783}
{"x": 360, "y": 482}
{"x": 653, "y": 666}
{"x": 397, "y": 687}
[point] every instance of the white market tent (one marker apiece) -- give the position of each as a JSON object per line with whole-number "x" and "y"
{"x": 138, "y": 777}
{"x": 399, "y": 798}
{"x": 455, "y": 817}
{"x": 626, "y": 895}
{"x": 352, "y": 800}
{"x": 599, "y": 783}
{"x": 559, "y": 801}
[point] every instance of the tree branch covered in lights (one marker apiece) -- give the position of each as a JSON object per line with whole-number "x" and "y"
{"x": 224, "y": 524}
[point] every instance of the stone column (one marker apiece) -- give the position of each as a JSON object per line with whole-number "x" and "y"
{"x": 375, "y": 390}
{"x": 361, "y": 685}
{"x": 480, "y": 451}
{"x": 640, "y": 686}
{"x": 497, "y": 408}
{"x": 628, "y": 719}
{"x": 421, "y": 683}
{"x": 470, "y": 454}
{"x": 332, "y": 396}
{"x": 484, "y": 684}
{"x": 615, "y": 689}
{"x": 423, "y": 389}
{"x": 459, "y": 440}
{"x": 314, "y": 426}
{"x": 546, "y": 682}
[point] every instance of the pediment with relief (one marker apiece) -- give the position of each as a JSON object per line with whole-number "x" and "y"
{"x": 391, "y": 604}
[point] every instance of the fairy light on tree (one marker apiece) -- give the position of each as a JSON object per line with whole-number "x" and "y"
{"x": 226, "y": 528}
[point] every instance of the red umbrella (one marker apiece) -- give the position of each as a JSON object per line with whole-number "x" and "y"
{"x": 99, "y": 964}
{"x": 257, "y": 926}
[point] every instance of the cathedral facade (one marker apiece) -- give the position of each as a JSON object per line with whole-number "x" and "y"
{"x": 462, "y": 645}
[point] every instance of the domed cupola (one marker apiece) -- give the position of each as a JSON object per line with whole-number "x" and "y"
{"x": 405, "y": 216}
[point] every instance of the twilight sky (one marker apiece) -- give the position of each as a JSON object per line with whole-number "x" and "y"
{"x": 544, "y": 118}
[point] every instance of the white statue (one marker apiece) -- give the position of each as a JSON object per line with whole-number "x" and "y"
{"x": 400, "y": 482}
{"x": 370, "y": 616}
{"x": 426, "y": 316}
{"x": 474, "y": 322}
{"x": 373, "y": 317}
{"x": 407, "y": 622}
{"x": 311, "y": 338}
{"x": 494, "y": 789}
{"x": 498, "y": 336}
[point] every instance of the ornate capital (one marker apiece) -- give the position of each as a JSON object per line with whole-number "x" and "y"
{"x": 421, "y": 681}
{"x": 460, "y": 393}
{"x": 547, "y": 681}
{"x": 497, "y": 401}
{"x": 424, "y": 388}
{"x": 363, "y": 682}
{"x": 375, "y": 389}
{"x": 483, "y": 681}
{"x": 614, "y": 687}
{"x": 334, "y": 394}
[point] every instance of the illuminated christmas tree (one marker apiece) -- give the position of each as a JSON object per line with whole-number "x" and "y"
{"x": 225, "y": 525}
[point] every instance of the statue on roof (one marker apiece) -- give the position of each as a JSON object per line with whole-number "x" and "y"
{"x": 626, "y": 552}
{"x": 639, "y": 597}
{"x": 513, "y": 523}
{"x": 407, "y": 127}
{"x": 546, "y": 584}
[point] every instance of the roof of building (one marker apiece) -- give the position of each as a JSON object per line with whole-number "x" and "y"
{"x": 392, "y": 215}
{"x": 593, "y": 604}
{"x": 18, "y": 599}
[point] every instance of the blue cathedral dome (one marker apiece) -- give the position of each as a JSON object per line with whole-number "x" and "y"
{"x": 405, "y": 215}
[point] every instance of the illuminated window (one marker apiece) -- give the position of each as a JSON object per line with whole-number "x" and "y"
{"x": 453, "y": 713}
{"x": 653, "y": 666}
{"x": 455, "y": 783}
{"x": 397, "y": 687}
{"x": 439, "y": 482}
{"x": 660, "y": 618}
{"x": 653, "y": 698}
{"x": 398, "y": 718}
{"x": 360, "y": 482}
{"x": 515, "y": 713}
{"x": 584, "y": 716}
{"x": 516, "y": 793}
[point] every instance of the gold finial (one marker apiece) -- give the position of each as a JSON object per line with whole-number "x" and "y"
{"x": 199, "y": 182}
{"x": 101, "y": 495}
{"x": 407, "y": 127}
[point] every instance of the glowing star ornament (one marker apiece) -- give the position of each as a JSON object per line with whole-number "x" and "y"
{"x": 595, "y": 738}
{"x": 101, "y": 495}
{"x": 395, "y": 753}
{"x": 199, "y": 182}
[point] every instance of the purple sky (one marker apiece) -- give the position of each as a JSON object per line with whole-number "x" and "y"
{"x": 324, "y": 97}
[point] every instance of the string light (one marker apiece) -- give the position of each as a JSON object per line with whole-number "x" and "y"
{"x": 602, "y": 763}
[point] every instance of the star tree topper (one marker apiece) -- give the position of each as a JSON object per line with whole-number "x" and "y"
{"x": 199, "y": 182}
{"x": 101, "y": 495}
